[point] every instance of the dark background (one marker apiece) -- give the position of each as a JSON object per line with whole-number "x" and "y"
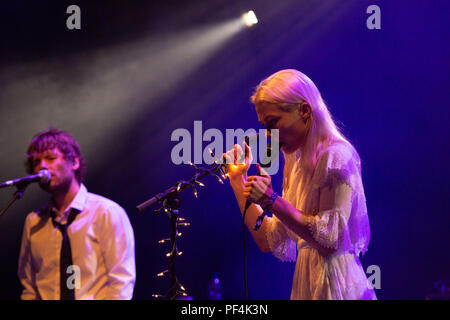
{"x": 136, "y": 71}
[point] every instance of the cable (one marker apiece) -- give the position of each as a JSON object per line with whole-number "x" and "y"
{"x": 247, "y": 205}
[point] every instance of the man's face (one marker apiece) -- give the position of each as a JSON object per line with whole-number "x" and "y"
{"x": 61, "y": 169}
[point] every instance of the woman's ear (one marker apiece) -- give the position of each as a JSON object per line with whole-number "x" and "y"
{"x": 305, "y": 111}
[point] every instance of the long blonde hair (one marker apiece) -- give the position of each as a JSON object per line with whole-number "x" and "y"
{"x": 293, "y": 87}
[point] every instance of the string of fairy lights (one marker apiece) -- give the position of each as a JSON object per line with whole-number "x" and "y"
{"x": 171, "y": 209}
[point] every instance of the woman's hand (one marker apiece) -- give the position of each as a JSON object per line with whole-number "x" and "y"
{"x": 236, "y": 168}
{"x": 258, "y": 189}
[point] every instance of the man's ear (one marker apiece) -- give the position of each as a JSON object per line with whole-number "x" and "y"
{"x": 76, "y": 164}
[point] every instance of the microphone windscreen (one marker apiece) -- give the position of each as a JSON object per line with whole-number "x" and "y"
{"x": 45, "y": 175}
{"x": 252, "y": 139}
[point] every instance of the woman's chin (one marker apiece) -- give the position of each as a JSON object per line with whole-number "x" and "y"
{"x": 287, "y": 149}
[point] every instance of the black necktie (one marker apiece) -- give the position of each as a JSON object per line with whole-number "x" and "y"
{"x": 65, "y": 258}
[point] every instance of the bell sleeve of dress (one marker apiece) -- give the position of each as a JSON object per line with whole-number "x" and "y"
{"x": 281, "y": 240}
{"x": 342, "y": 221}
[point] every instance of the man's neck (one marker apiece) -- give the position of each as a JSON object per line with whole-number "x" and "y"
{"x": 63, "y": 198}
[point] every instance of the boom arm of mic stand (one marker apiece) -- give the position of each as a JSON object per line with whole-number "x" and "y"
{"x": 179, "y": 187}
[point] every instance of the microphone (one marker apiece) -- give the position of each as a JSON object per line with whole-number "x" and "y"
{"x": 42, "y": 176}
{"x": 251, "y": 140}
{"x": 268, "y": 154}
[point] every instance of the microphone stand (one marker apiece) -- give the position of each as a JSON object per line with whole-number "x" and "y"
{"x": 17, "y": 195}
{"x": 170, "y": 204}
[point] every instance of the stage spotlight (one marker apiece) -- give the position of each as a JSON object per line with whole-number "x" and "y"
{"x": 249, "y": 18}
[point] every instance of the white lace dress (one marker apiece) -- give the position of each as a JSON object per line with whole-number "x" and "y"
{"x": 334, "y": 199}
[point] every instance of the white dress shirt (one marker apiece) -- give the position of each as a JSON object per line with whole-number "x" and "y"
{"x": 102, "y": 246}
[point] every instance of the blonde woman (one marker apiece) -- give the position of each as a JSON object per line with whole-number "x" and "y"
{"x": 320, "y": 220}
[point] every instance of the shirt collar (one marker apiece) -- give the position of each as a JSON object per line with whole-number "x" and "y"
{"x": 77, "y": 203}
{"x": 80, "y": 199}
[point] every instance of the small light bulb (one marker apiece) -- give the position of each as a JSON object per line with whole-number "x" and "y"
{"x": 184, "y": 224}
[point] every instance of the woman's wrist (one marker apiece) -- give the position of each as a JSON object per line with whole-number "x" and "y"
{"x": 272, "y": 197}
{"x": 237, "y": 181}
{"x": 269, "y": 198}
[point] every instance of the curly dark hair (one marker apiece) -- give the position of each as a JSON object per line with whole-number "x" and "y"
{"x": 56, "y": 138}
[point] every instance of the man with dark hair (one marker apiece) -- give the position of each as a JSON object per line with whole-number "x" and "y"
{"x": 80, "y": 245}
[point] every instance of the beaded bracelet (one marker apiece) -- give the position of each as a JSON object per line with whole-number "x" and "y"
{"x": 267, "y": 210}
